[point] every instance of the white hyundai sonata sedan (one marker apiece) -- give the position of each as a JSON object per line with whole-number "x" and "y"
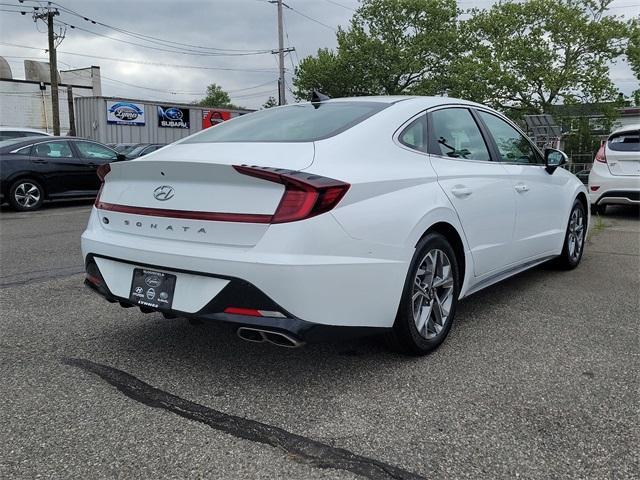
{"x": 334, "y": 218}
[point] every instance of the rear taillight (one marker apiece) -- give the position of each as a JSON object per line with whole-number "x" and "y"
{"x": 601, "y": 156}
{"x": 102, "y": 171}
{"x": 305, "y": 195}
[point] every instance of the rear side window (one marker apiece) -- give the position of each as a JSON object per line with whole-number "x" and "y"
{"x": 293, "y": 123}
{"x": 456, "y": 134}
{"x": 625, "y": 141}
{"x": 415, "y": 135}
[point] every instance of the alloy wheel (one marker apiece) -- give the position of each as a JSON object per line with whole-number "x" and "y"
{"x": 27, "y": 195}
{"x": 575, "y": 238}
{"x": 432, "y": 294}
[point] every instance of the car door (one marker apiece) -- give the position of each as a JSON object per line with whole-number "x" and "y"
{"x": 479, "y": 188}
{"x": 93, "y": 155}
{"x": 61, "y": 169}
{"x": 539, "y": 227}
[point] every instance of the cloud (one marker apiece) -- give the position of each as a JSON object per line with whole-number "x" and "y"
{"x": 224, "y": 24}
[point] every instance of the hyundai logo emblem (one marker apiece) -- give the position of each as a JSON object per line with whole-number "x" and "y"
{"x": 163, "y": 192}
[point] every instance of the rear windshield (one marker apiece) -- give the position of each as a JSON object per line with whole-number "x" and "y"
{"x": 294, "y": 123}
{"x": 625, "y": 141}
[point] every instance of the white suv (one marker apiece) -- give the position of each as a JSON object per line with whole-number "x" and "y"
{"x": 615, "y": 176}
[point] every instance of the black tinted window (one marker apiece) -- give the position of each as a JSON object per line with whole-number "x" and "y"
{"x": 625, "y": 142}
{"x": 415, "y": 135}
{"x": 456, "y": 135}
{"x": 513, "y": 147}
{"x": 294, "y": 123}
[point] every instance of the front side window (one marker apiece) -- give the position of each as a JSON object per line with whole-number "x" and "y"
{"x": 90, "y": 150}
{"x": 455, "y": 134}
{"x": 60, "y": 149}
{"x": 415, "y": 135}
{"x": 513, "y": 147}
{"x": 293, "y": 123}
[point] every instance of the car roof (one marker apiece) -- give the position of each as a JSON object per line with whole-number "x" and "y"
{"x": 423, "y": 101}
{"x": 627, "y": 128}
{"x": 23, "y": 129}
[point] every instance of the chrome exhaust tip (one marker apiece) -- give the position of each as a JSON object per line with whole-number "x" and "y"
{"x": 259, "y": 335}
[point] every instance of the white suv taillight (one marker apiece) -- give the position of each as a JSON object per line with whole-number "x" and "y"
{"x": 601, "y": 155}
{"x": 305, "y": 195}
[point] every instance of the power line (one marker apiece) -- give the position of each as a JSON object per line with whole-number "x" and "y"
{"x": 183, "y": 52}
{"x": 310, "y": 18}
{"x": 144, "y": 62}
{"x": 340, "y": 5}
{"x": 141, "y": 36}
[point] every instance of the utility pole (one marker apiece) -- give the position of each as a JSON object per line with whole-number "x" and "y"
{"x": 47, "y": 15}
{"x": 281, "y": 92}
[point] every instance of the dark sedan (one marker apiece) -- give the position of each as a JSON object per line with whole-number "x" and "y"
{"x": 34, "y": 169}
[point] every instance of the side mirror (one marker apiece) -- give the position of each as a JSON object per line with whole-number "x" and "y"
{"x": 554, "y": 158}
{"x": 120, "y": 158}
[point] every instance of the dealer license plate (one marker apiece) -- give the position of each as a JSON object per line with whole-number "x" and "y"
{"x": 153, "y": 289}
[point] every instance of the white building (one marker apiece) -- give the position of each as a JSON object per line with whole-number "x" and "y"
{"x": 27, "y": 103}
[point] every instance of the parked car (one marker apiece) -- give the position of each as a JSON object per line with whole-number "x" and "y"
{"x": 334, "y": 218}
{"x": 34, "y": 169}
{"x": 124, "y": 148}
{"x": 143, "y": 149}
{"x": 615, "y": 176}
{"x": 7, "y": 133}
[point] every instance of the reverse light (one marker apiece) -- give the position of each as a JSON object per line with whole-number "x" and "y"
{"x": 601, "y": 155}
{"x": 305, "y": 195}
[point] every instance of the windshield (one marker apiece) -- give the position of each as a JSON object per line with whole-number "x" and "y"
{"x": 135, "y": 151}
{"x": 293, "y": 123}
{"x": 125, "y": 149}
{"x": 625, "y": 141}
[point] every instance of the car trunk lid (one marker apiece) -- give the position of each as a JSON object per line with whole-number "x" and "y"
{"x": 623, "y": 153}
{"x": 193, "y": 192}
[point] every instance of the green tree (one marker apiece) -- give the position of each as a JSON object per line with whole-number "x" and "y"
{"x": 390, "y": 47}
{"x": 271, "y": 102}
{"x": 216, "y": 97}
{"x": 525, "y": 57}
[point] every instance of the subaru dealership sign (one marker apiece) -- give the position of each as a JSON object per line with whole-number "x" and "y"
{"x": 173, "y": 117}
{"x": 125, "y": 113}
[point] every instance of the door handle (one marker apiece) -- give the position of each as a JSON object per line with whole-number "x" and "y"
{"x": 521, "y": 188}
{"x": 37, "y": 160}
{"x": 460, "y": 191}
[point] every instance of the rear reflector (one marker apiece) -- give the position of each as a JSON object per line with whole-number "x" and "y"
{"x": 251, "y": 312}
{"x": 305, "y": 195}
{"x": 594, "y": 188}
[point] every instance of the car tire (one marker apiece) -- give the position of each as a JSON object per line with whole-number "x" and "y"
{"x": 26, "y": 194}
{"x": 574, "y": 238}
{"x": 600, "y": 209}
{"x": 420, "y": 327}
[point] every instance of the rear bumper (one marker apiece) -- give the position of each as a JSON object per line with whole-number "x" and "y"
{"x": 236, "y": 292}
{"x": 314, "y": 271}
{"x": 613, "y": 189}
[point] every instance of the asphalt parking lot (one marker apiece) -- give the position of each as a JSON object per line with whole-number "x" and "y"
{"x": 538, "y": 379}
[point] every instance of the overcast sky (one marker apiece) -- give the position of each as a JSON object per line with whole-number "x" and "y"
{"x": 240, "y": 25}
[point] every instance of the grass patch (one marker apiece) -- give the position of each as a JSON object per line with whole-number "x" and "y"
{"x": 597, "y": 227}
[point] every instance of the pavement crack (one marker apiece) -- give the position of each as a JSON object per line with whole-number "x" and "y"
{"x": 54, "y": 274}
{"x": 303, "y": 449}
